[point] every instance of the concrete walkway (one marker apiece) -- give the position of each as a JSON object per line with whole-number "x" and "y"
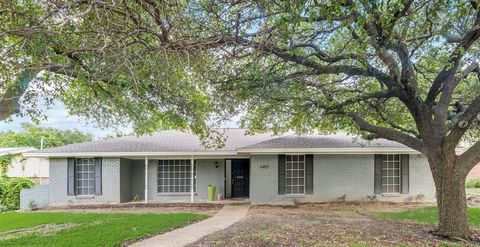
{"x": 228, "y": 215}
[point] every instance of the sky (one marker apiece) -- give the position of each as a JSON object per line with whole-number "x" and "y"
{"x": 58, "y": 117}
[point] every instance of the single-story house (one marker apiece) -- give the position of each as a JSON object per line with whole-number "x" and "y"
{"x": 33, "y": 168}
{"x": 174, "y": 166}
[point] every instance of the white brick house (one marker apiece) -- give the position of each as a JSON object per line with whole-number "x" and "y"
{"x": 262, "y": 168}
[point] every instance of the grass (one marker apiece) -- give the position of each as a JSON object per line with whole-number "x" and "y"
{"x": 473, "y": 183}
{"x": 427, "y": 215}
{"x": 89, "y": 229}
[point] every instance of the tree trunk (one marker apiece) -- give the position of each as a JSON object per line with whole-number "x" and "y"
{"x": 451, "y": 201}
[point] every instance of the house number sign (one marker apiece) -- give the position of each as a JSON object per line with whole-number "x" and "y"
{"x": 264, "y": 167}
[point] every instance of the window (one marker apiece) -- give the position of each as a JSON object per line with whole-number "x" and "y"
{"x": 85, "y": 176}
{"x": 295, "y": 174}
{"x": 391, "y": 173}
{"x": 174, "y": 176}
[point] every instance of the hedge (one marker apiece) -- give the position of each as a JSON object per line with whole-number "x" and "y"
{"x": 473, "y": 183}
{"x": 10, "y": 191}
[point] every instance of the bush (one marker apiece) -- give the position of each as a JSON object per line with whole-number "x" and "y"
{"x": 10, "y": 191}
{"x": 473, "y": 183}
{"x": 2, "y": 181}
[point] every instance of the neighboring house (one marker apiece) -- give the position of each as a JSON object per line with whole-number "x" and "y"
{"x": 262, "y": 168}
{"x": 32, "y": 167}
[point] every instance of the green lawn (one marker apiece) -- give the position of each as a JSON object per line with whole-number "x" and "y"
{"x": 428, "y": 215}
{"x": 87, "y": 229}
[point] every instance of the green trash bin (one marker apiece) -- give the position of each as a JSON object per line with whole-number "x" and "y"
{"x": 211, "y": 192}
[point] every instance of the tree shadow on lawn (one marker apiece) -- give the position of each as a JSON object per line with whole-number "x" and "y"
{"x": 331, "y": 225}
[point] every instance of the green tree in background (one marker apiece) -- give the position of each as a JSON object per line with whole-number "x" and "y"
{"x": 31, "y": 135}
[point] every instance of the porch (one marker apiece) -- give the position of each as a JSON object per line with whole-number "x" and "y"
{"x": 168, "y": 179}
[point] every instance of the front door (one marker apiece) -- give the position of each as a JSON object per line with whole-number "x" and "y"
{"x": 240, "y": 178}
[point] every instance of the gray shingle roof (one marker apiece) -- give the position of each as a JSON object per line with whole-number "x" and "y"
{"x": 163, "y": 141}
{"x": 325, "y": 141}
{"x": 16, "y": 150}
{"x": 177, "y": 141}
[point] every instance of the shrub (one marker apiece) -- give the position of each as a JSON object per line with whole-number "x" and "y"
{"x": 32, "y": 205}
{"x": 10, "y": 191}
{"x": 2, "y": 181}
{"x": 419, "y": 197}
{"x": 473, "y": 183}
{"x": 372, "y": 197}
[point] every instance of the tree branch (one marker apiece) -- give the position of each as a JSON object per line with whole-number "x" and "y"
{"x": 387, "y": 133}
{"x": 463, "y": 123}
{"x": 446, "y": 75}
{"x": 471, "y": 157}
{"x": 321, "y": 69}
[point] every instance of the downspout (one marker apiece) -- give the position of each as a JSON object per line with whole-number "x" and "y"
{"x": 146, "y": 179}
{"x": 192, "y": 177}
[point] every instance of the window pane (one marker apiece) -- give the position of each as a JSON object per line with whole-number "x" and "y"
{"x": 301, "y": 166}
{"x": 391, "y": 174}
{"x": 85, "y": 176}
{"x": 294, "y": 174}
{"x": 175, "y": 176}
{"x": 300, "y": 190}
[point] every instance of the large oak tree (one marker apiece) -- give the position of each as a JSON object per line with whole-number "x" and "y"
{"x": 402, "y": 70}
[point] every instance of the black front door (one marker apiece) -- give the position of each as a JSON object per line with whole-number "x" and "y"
{"x": 240, "y": 178}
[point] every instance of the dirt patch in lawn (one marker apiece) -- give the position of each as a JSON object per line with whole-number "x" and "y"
{"x": 335, "y": 224}
{"x": 42, "y": 230}
{"x": 473, "y": 200}
{"x": 208, "y": 209}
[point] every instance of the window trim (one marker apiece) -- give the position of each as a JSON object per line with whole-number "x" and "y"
{"x": 76, "y": 179}
{"x": 195, "y": 182}
{"x": 304, "y": 175}
{"x": 392, "y": 194}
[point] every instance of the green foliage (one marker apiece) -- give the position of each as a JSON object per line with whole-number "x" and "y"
{"x": 427, "y": 215}
{"x": 119, "y": 78}
{"x": 302, "y": 65}
{"x": 473, "y": 183}
{"x": 91, "y": 229}
{"x": 31, "y": 136}
{"x": 5, "y": 162}
{"x": 10, "y": 191}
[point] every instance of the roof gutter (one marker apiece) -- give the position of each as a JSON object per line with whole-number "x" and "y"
{"x": 129, "y": 154}
{"x": 230, "y": 153}
{"x": 331, "y": 150}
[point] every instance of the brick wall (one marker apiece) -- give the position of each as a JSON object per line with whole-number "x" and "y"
{"x": 110, "y": 183}
{"x": 126, "y": 178}
{"x": 207, "y": 174}
{"x": 335, "y": 176}
{"x": 36, "y": 196}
